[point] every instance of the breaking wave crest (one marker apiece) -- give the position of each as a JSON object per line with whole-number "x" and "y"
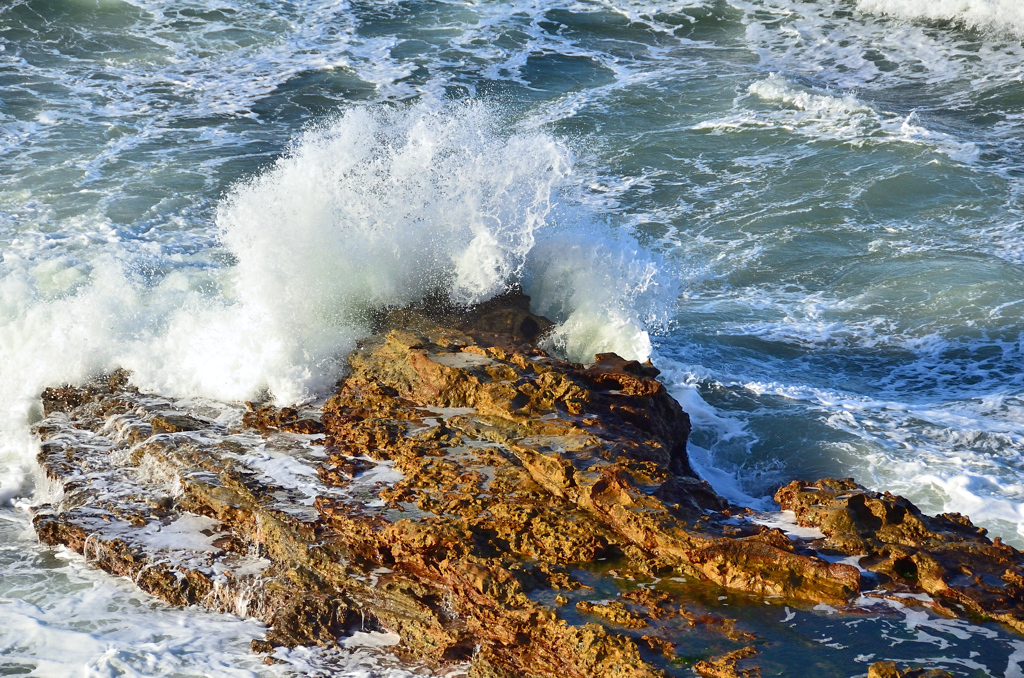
{"x": 605, "y": 291}
{"x": 998, "y": 16}
{"x": 378, "y": 207}
{"x": 384, "y": 207}
{"x": 826, "y": 117}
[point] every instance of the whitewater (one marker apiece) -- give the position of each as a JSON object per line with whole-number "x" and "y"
{"x": 807, "y": 215}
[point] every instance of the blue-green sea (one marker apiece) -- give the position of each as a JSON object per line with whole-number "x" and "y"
{"x": 807, "y": 213}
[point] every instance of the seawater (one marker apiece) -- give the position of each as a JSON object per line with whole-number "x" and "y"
{"x": 807, "y": 214}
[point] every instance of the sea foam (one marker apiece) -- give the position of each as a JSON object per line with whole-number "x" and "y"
{"x": 995, "y": 16}
{"x": 842, "y": 118}
{"x": 376, "y": 207}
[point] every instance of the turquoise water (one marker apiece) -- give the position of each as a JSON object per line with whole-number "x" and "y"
{"x": 807, "y": 213}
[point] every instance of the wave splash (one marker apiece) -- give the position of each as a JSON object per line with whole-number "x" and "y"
{"x": 384, "y": 207}
{"x": 378, "y": 207}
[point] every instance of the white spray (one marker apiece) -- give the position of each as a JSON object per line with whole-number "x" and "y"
{"x": 377, "y": 207}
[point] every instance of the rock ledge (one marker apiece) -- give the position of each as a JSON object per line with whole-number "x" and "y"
{"x": 460, "y": 489}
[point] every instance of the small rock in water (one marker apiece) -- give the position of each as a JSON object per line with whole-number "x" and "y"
{"x": 890, "y": 670}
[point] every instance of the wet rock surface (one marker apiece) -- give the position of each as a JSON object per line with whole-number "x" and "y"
{"x": 890, "y": 670}
{"x": 470, "y": 493}
{"x": 944, "y": 556}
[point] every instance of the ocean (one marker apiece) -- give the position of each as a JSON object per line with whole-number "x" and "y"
{"x": 808, "y": 215}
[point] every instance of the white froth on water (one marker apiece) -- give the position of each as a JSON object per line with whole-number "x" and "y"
{"x": 188, "y": 532}
{"x": 998, "y": 16}
{"x": 828, "y": 117}
{"x": 59, "y": 635}
{"x": 713, "y": 432}
{"x": 376, "y": 207}
{"x": 372, "y": 639}
{"x": 787, "y": 522}
{"x": 950, "y": 455}
{"x": 63, "y": 617}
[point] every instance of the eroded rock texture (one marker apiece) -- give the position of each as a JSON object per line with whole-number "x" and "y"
{"x": 945, "y": 556}
{"x": 454, "y": 491}
{"x": 890, "y": 670}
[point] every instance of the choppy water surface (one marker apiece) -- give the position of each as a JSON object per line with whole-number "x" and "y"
{"x": 808, "y": 213}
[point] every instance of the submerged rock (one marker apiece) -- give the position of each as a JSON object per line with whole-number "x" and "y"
{"x": 458, "y": 490}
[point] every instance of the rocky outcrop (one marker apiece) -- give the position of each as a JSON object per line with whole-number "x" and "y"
{"x": 944, "y": 556}
{"x": 727, "y": 666}
{"x": 890, "y": 670}
{"x": 461, "y": 489}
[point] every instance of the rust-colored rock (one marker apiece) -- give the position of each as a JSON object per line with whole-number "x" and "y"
{"x": 890, "y": 670}
{"x": 727, "y": 666}
{"x": 267, "y": 419}
{"x": 451, "y": 491}
{"x": 945, "y": 556}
